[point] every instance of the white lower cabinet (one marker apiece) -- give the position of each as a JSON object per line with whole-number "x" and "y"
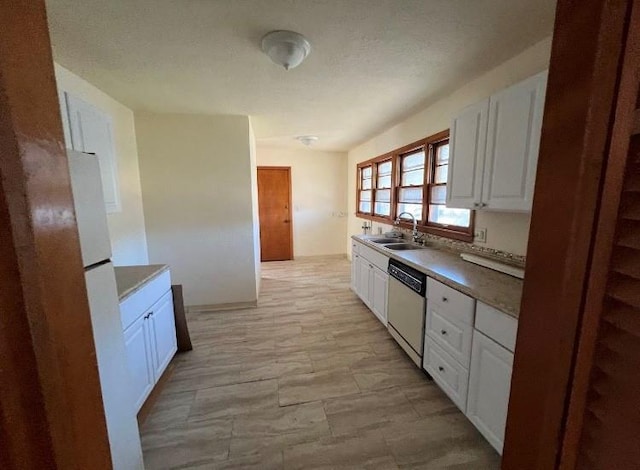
{"x": 363, "y": 280}
{"x": 369, "y": 279}
{"x": 138, "y": 344}
{"x": 150, "y": 335}
{"x": 379, "y": 281}
{"x": 163, "y": 334}
{"x": 448, "y": 373}
{"x": 489, "y": 388}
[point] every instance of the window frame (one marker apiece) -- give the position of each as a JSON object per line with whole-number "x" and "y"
{"x": 429, "y": 145}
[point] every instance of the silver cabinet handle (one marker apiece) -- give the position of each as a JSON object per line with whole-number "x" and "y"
{"x": 441, "y": 369}
{"x": 443, "y": 332}
{"x": 444, "y": 299}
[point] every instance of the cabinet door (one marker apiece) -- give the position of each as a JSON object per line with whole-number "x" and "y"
{"x": 489, "y": 388}
{"x": 138, "y": 346}
{"x": 513, "y": 143}
{"x": 379, "y": 283}
{"x": 466, "y": 158}
{"x": 364, "y": 286}
{"x": 92, "y": 132}
{"x": 354, "y": 272}
{"x": 163, "y": 332}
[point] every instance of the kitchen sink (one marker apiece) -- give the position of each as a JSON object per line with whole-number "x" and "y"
{"x": 384, "y": 240}
{"x": 403, "y": 246}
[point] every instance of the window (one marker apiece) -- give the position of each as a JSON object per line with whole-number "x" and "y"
{"x": 382, "y": 191}
{"x": 413, "y": 179}
{"x": 365, "y": 189}
{"x": 439, "y": 213}
{"x": 411, "y": 188}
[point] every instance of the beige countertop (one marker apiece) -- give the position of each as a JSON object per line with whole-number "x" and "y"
{"x": 131, "y": 278}
{"x": 496, "y": 289}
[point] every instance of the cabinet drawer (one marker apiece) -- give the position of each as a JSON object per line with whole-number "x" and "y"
{"x": 377, "y": 259}
{"x": 455, "y": 304}
{"x": 355, "y": 247}
{"x": 498, "y": 326}
{"x": 453, "y": 336}
{"x": 137, "y": 303}
{"x": 452, "y": 378}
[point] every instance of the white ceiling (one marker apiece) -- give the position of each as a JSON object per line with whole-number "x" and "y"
{"x": 372, "y": 63}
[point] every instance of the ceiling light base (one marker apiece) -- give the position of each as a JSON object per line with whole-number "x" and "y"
{"x": 286, "y": 48}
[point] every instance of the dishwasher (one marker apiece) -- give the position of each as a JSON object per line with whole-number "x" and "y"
{"x": 406, "y": 308}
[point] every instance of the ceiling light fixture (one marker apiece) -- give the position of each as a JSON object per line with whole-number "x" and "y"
{"x": 286, "y": 48}
{"x": 307, "y": 140}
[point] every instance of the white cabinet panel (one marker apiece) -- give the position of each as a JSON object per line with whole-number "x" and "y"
{"x": 354, "y": 272}
{"x": 494, "y": 149}
{"x": 162, "y": 325}
{"x": 489, "y": 388}
{"x": 451, "y": 334}
{"x": 92, "y": 132}
{"x": 498, "y": 326}
{"x": 452, "y": 378}
{"x": 138, "y": 345}
{"x": 369, "y": 280}
{"x": 89, "y": 207}
{"x": 468, "y": 145}
{"x": 513, "y": 142}
{"x": 111, "y": 355}
{"x": 379, "y": 285}
{"x": 363, "y": 280}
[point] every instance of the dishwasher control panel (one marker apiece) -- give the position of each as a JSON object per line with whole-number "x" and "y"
{"x": 413, "y": 279}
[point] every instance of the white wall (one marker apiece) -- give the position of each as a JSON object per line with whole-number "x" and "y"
{"x": 126, "y": 228}
{"x": 319, "y": 197}
{"x": 505, "y": 231}
{"x": 254, "y": 203}
{"x": 197, "y": 190}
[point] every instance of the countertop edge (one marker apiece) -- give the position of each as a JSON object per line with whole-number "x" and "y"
{"x": 439, "y": 277}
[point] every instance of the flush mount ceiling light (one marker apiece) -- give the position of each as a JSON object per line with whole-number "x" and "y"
{"x": 307, "y": 140}
{"x": 286, "y": 48}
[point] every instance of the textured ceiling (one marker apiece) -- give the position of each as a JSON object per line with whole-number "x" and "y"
{"x": 372, "y": 62}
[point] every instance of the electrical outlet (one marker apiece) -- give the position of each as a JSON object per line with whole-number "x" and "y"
{"x": 480, "y": 236}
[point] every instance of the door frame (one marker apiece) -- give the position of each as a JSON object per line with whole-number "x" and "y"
{"x": 290, "y": 215}
{"x": 574, "y": 158}
{"x": 52, "y": 415}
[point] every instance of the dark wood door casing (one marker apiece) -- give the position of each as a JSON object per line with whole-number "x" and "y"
{"x": 51, "y": 413}
{"x": 583, "y": 84}
{"x": 603, "y": 423}
{"x": 276, "y": 224}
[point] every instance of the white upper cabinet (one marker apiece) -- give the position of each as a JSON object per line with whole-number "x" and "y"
{"x": 513, "y": 143}
{"x": 468, "y": 143}
{"x": 91, "y": 131}
{"x": 494, "y": 160}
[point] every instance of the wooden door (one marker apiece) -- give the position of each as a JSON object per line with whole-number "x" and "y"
{"x": 467, "y": 154}
{"x": 274, "y": 202}
{"x": 513, "y": 143}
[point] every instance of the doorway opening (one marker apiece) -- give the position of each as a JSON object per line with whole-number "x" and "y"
{"x": 274, "y": 205}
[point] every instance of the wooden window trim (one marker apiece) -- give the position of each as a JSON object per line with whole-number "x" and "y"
{"x": 448, "y": 231}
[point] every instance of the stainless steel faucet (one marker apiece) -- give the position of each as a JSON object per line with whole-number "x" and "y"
{"x": 414, "y": 234}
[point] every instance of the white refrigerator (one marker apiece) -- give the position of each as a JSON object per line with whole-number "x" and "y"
{"x": 122, "y": 425}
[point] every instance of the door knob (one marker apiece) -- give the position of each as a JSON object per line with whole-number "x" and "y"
{"x": 286, "y": 221}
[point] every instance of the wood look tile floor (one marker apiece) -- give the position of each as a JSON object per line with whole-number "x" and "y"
{"x": 309, "y": 379}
